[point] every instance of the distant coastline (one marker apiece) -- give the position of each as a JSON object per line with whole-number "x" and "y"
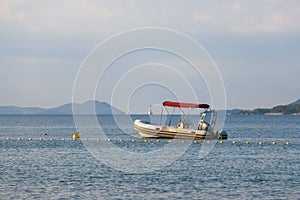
{"x": 88, "y": 107}
{"x": 103, "y": 108}
{"x": 289, "y": 109}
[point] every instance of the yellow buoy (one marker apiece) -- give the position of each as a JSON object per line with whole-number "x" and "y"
{"x": 109, "y": 140}
{"x": 157, "y": 140}
{"x": 195, "y": 141}
{"x": 145, "y": 140}
{"x": 30, "y": 139}
{"x": 274, "y": 142}
{"x": 182, "y": 141}
{"x": 63, "y": 139}
{"x": 76, "y": 136}
{"x": 8, "y": 138}
{"x": 51, "y": 139}
{"x": 288, "y": 142}
{"x": 132, "y": 140}
{"x": 170, "y": 141}
{"x": 260, "y": 142}
{"x": 233, "y": 142}
{"x": 98, "y": 139}
{"x": 121, "y": 140}
{"x": 19, "y": 138}
{"x": 41, "y": 138}
{"x": 221, "y": 142}
{"x": 247, "y": 142}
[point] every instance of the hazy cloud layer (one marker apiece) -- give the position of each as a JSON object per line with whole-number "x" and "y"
{"x": 106, "y": 17}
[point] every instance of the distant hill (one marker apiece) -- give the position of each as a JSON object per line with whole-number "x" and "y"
{"x": 101, "y": 108}
{"x": 4, "y": 110}
{"x": 296, "y": 102}
{"x": 293, "y": 108}
{"x": 289, "y": 109}
{"x": 286, "y": 109}
{"x": 238, "y": 112}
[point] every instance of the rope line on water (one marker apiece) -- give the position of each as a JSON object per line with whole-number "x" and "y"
{"x": 143, "y": 140}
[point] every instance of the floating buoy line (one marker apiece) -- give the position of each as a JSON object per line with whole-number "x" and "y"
{"x": 76, "y": 136}
{"x": 143, "y": 140}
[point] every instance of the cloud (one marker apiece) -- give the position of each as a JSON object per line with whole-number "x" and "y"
{"x": 106, "y": 17}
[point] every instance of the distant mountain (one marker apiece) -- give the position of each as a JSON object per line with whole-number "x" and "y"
{"x": 89, "y": 107}
{"x": 19, "y": 110}
{"x": 289, "y": 109}
{"x": 296, "y": 102}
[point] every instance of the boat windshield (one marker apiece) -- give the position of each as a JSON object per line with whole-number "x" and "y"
{"x": 206, "y": 117}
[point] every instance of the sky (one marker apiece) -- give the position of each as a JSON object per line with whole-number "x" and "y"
{"x": 255, "y": 45}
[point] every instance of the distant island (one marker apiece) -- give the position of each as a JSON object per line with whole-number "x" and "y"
{"x": 101, "y": 108}
{"x": 289, "y": 109}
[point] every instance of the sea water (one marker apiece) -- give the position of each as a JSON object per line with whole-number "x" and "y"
{"x": 57, "y": 167}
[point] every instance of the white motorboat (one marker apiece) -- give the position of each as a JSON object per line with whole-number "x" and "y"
{"x": 184, "y": 128}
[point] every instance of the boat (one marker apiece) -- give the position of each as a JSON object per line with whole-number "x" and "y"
{"x": 184, "y": 128}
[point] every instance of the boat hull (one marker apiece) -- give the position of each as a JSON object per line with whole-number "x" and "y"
{"x": 147, "y": 130}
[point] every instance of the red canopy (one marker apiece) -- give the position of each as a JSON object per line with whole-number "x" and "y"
{"x": 185, "y": 105}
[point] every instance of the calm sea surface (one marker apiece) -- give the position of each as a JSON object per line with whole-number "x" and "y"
{"x": 53, "y": 168}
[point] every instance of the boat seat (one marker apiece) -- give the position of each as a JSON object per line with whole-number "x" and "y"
{"x": 203, "y": 126}
{"x": 182, "y": 124}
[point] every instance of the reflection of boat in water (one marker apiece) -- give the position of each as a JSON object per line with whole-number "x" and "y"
{"x": 184, "y": 129}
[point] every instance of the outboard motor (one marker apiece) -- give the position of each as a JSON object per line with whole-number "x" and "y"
{"x": 223, "y": 135}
